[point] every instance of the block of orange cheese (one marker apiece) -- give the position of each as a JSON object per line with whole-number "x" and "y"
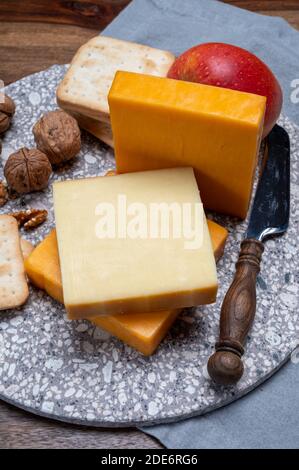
{"x": 163, "y": 123}
{"x": 218, "y": 236}
{"x": 144, "y": 331}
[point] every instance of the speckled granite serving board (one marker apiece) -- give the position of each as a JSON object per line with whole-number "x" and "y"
{"x": 73, "y": 371}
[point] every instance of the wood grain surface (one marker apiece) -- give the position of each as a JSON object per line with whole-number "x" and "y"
{"x": 287, "y": 9}
{"x": 94, "y": 14}
{"x": 35, "y": 34}
{"x": 19, "y": 429}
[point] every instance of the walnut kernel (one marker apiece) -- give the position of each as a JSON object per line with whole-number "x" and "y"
{"x": 30, "y": 218}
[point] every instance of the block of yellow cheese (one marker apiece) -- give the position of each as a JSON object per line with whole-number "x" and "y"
{"x": 163, "y": 123}
{"x": 144, "y": 331}
{"x": 110, "y": 260}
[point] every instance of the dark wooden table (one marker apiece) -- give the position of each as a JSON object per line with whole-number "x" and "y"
{"x": 35, "y": 34}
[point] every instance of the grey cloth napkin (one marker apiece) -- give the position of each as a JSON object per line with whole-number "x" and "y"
{"x": 176, "y": 25}
{"x": 269, "y": 416}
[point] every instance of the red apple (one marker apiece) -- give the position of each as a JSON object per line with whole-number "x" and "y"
{"x": 229, "y": 66}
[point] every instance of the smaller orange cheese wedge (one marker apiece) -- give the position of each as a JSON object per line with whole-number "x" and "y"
{"x": 42, "y": 267}
{"x": 143, "y": 332}
{"x": 218, "y": 236}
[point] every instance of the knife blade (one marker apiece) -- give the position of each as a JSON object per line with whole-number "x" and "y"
{"x": 269, "y": 216}
{"x": 271, "y": 206}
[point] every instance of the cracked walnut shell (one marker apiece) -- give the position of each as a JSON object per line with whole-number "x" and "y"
{"x": 57, "y": 134}
{"x": 7, "y": 110}
{"x": 27, "y": 170}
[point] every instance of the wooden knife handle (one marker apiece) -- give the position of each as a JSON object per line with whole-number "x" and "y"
{"x": 225, "y": 366}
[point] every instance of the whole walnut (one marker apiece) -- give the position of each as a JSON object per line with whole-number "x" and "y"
{"x": 3, "y": 194}
{"x": 7, "y": 110}
{"x": 57, "y": 134}
{"x": 27, "y": 170}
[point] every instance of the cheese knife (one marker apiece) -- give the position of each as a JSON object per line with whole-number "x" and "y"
{"x": 269, "y": 216}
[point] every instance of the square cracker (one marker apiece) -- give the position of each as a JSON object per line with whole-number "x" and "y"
{"x": 13, "y": 286}
{"x": 85, "y": 87}
{"x": 102, "y": 130}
